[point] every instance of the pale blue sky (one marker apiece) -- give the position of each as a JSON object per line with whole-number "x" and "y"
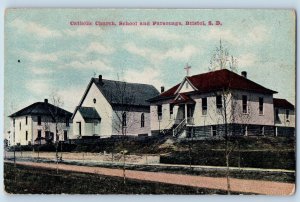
{"x": 56, "y": 56}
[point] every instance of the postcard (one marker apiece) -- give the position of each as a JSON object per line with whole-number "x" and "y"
{"x": 150, "y": 101}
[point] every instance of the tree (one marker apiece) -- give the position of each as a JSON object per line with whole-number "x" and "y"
{"x": 221, "y": 59}
{"x": 59, "y": 118}
{"x": 123, "y": 118}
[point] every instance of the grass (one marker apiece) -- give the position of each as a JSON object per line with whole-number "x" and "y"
{"x": 29, "y": 180}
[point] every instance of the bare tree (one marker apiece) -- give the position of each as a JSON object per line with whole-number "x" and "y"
{"x": 221, "y": 59}
{"x": 59, "y": 119}
{"x": 123, "y": 118}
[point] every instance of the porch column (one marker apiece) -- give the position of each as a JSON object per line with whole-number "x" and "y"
{"x": 185, "y": 112}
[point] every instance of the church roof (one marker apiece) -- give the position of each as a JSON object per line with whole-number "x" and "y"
{"x": 182, "y": 98}
{"x": 42, "y": 108}
{"x": 282, "y": 103}
{"x": 89, "y": 113}
{"x": 124, "y": 93}
{"x": 217, "y": 80}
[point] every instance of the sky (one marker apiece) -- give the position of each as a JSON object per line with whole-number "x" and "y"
{"x": 45, "y": 54}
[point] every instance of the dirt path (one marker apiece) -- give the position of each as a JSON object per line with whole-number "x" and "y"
{"x": 238, "y": 185}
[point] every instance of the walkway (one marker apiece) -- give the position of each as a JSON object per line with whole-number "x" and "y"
{"x": 237, "y": 185}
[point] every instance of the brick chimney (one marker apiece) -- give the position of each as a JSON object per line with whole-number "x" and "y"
{"x": 162, "y": 89}
{"x": 100, "y": 79}
{"x": 244, "y": 74}
{"x": 46, "y": 101}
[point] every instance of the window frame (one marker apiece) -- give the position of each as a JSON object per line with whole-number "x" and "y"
{"x": 171, "y": 109}
{"x": 124, "y": 119}
{"x": 39, "y": 122}
{"x": 219, "y": 102}
{"x": 142, "y": 120}
{"x": 261, "y": 106}
{"x": 65, "y": 135}
{"x": 204, "y": 107}
{"x": 245, "y": 105}
{"x": 159, "y": 112}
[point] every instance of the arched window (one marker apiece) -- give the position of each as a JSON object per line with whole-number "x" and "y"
{"x": 142, "y": 120}
{"x": 124, "y": 124}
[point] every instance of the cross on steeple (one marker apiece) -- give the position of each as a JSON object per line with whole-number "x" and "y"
{"x": 187, "y": 68}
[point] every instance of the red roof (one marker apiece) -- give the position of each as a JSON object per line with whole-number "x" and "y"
{"x": 282, "y": 103}
{"x": 218, "y": 80}
{"x": 183, "y": 98}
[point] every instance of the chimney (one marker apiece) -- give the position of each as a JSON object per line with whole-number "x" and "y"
{"x": 45, "y": 100}
{"x": 162, "y": 89}
{"x": 244, "y": 74}
{"x": 100, "y": 79}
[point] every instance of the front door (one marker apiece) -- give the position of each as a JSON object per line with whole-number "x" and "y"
{"x": 190, "y": 113}
{"x": 181, "y": 113}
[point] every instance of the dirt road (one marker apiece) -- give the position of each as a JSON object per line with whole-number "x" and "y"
{"x": 238, "y": 185}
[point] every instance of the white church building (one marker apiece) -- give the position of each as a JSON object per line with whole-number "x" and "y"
{"x": 113, "y": 108}
{"x": 208, "y": 104}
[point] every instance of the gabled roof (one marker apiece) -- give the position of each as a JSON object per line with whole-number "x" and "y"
{"x": 42, "y": 108}
{"x": 217, "y": 80}
{"x": 282, "y": 103}
{"x": 89, "y": 113}
{"x": 182, "y": 98}
{"x": 119, "y": 93}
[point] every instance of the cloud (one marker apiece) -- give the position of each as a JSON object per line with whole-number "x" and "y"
{"x": 39, "y": 87}
{"x": 181, "y": 54}
{"x": 99, "y": 48}
{"x": 98, "y": 65}
{"x": 40, "y": 70}
{"x": 154, "y": 55}
{"x": 147, "y": 76}
{"x": 42, "y": 31}
{"x": 149, "y": 32}
{"x": 82, "y": 31}
{"x": 216, "y": 34}
{"x": 71, "y": 96}
{"x": 257, "y": 34}
{"x": 246, "y": 60}
{"x": 38, "y": 56}
{"x": 34, "y": 28}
